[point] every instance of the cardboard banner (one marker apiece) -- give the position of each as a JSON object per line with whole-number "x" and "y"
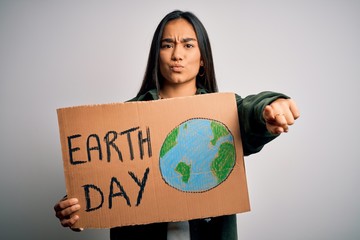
{"x": 156, "y": 161}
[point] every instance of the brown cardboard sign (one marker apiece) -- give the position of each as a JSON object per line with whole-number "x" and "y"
{"x": 157, "y": 161}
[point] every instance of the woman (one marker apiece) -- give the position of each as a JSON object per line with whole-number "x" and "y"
{"x": 180, "y": 64}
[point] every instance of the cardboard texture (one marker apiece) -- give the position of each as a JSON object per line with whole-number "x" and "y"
{"x": 156, "y": 161}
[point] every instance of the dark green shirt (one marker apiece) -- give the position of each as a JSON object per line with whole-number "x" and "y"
{"x": 254, "y": 136}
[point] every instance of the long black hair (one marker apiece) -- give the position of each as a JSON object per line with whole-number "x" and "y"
{"x": 206, "y": 76}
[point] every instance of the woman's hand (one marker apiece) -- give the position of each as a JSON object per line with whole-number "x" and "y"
{"x": 280, "y": 114}
{"x": 63, "y": 211}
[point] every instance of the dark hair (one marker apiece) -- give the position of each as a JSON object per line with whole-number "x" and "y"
{"x": 153, "y": 78}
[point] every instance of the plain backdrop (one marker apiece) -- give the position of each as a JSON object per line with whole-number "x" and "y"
{"x": 303, "y": 185}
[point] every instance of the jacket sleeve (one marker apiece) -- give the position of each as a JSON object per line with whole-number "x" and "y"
{"x": 254, "y": 134}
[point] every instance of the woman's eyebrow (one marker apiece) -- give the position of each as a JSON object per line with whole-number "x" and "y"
{"x": 184, "y": 40}
{"x": 168, "y": 40}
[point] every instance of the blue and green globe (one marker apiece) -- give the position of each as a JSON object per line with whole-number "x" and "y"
{"x": 197, "y": 155}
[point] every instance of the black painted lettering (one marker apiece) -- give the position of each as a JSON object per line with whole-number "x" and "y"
{"x": 72, "y": 150}
{"x": 110, "y": 143}
{"x": 141, "y": 184}
{"x": 121, "y": 193}
{"x": 95, "y": 148}
{"x": 87, "y": 188}
{"x": 127, "y": 132}
{"x": 144, "y": 140}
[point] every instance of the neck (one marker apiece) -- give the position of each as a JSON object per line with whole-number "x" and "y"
{"x": 171, "y": 91}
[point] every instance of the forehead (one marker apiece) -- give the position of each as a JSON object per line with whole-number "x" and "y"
{"x": 179, "y": 28}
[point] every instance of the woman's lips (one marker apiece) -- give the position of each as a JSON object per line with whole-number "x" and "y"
{"x": 176, "y": 68}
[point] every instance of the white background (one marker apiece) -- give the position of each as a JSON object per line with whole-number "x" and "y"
{"x": 303, "y": 185}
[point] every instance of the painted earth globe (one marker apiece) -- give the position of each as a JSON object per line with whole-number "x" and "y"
{"x": 197, "y": 155}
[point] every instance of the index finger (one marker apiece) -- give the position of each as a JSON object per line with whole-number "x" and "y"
{"x": 65, "y": 204}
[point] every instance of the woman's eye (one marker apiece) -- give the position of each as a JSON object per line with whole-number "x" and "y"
{"x": 189, "y": 45}
{"x": 166, "y": 46}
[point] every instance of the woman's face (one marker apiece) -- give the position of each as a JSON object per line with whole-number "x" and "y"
{"x": 180, "y": 57}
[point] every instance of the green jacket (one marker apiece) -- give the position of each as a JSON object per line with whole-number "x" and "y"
{"x": 254, "y": 136}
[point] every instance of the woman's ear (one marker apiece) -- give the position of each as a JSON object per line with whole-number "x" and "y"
{"x": 201, "y": 63}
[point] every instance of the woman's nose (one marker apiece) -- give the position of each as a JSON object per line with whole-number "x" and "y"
{"x": 177, "y": 53}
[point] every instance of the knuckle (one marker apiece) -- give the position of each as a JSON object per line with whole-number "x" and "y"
{"x": 64, "y": 223}
{"x": 71, "y": 221}
{"x": 74, "y": 208}
{"x": 58, "y": 215}
{"x": 66, "y": 213}
{"x": 61, "y": 205}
